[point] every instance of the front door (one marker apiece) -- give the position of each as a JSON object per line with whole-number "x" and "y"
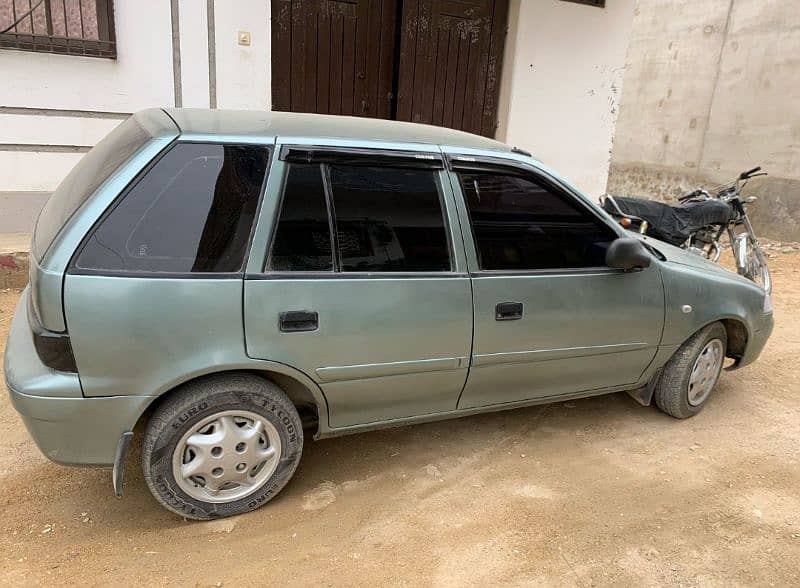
{"x": 550, "y": 318}
{"x": 362, "y": 288}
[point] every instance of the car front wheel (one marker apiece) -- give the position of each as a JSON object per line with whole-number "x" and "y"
{"x": 221, "y": 446}
{"x": 690, "y": 375}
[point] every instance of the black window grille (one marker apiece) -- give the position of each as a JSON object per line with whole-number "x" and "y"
{"x": 73, "y": 27}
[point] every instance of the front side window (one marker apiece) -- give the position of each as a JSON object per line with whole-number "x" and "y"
{"x": 386, "y": 219}
{"x": 192, "y": 212}
{"x": 521, "y": 224}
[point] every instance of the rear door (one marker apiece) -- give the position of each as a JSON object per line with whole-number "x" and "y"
{"x": 358, "y": 280}
{"x": 551, "y": 318}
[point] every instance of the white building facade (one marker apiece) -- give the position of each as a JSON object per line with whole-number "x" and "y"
{"x": 560, "y": 79}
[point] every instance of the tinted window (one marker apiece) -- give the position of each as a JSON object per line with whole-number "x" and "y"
{"x": 519, "y": 224}
{"x": 302, "y": 239}
{"x": 191, "y": 212}
{"x": 388, "y": 219}
{"x": 93, "y": 169}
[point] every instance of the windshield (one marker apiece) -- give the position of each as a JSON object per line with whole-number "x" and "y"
{"x": 91, "y": 171}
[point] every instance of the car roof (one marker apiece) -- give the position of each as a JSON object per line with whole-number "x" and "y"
{"x": 204, "y": 121}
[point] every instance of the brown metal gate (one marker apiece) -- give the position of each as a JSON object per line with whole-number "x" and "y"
{"x": 333, "y": 56}
{"x": 430, "y": 61}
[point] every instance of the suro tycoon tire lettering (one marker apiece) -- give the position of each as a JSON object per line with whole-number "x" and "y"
{"x": 193, "y": 411}
{"x": 221, "y": 446}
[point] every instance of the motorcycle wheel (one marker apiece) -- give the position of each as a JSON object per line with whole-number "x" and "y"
{"x": 755, "y": 266}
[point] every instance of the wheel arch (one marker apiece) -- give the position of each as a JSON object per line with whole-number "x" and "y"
{"x": 303, "y": 392}
{"x": 737, "y": 331}
{"x": 738, "y": 337}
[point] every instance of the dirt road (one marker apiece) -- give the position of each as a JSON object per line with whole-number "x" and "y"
{"x": 592, "y": 492}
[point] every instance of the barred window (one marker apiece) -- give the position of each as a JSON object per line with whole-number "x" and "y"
{"x": 72, "y": 27}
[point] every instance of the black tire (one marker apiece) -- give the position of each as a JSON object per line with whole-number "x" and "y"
{"x": 193, "y": 402}
{"x": 672, "y": 390}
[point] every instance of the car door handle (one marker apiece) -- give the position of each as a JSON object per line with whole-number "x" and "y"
{"x": 508, "y": 311}
{"x": 295, "y": 321}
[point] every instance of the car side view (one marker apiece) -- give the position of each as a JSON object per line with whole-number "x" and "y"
{"x": 229, "y": 283}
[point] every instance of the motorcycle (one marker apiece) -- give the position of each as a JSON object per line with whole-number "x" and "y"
{"x": 698, "y": 223}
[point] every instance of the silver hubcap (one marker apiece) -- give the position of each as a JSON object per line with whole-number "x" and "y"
{"x": 226, "y": 456}
{"x": 706, "y": 371}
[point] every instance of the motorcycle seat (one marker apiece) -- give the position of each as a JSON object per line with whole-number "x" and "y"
{"x": 673, "y": 224}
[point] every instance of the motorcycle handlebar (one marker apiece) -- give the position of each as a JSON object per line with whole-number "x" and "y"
{"x": 748, "y": 173}
{"x": 689, "y": 196}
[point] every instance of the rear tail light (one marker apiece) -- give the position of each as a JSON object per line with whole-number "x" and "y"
{"x": 54, "y": 349}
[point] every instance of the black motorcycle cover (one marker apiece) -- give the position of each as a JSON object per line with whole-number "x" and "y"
{"x": 673, "y": 224}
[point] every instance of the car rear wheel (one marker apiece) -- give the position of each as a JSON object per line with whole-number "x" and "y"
{"x": 221, "y": 446}
{"x": 690, "y": 375}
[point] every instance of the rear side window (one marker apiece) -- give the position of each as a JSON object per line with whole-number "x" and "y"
{"x": 93, "y": 169}
{"x": 192, "y": 212}
{"x": 388, "y": 219}
{"x": 385, "y": 219}
{"x": 520, "y": 224}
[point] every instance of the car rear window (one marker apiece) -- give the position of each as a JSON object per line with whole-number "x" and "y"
{"x": 92, "y": 170}
{"x": 191, "y": 212}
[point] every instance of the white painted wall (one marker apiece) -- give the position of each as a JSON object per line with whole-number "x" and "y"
{"x": 243, "y": 73}
{"x": 193, "y": 15}
{"x": 140, "y": 77}
{"x": 45, "y": 130}
{"x": 562, "y": 77}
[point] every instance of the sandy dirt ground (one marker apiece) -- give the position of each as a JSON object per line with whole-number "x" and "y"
{"x": 586, "y": 493}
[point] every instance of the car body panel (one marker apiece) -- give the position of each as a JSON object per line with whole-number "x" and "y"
{"x": 708, "y": 289}
{"x": 390, "y": 350}
{"x": 388, "y": 345}
{"x": 332, "y": 129}
{"x": 24, "y": 372}
{"x": 47, "y": 273}
{"x": 579, "y": 331}
{"x": 602, "y": 327}
{"x": 416, "y": 331}
{"x": 67, "y": 427}
{"x": 133, "y": 336}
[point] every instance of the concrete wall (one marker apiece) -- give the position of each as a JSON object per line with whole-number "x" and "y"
{"x": 713, "y": 88}
{"x": 561, "y": 81}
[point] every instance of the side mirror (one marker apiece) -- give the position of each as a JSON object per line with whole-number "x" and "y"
{"x": 627, "y": 253}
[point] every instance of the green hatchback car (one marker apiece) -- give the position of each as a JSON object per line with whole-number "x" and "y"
{"x": 225, "y": 282}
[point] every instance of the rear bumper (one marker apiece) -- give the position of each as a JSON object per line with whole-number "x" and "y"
{"x": 67, "y": 427}
{"x": 79, "y": 431}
